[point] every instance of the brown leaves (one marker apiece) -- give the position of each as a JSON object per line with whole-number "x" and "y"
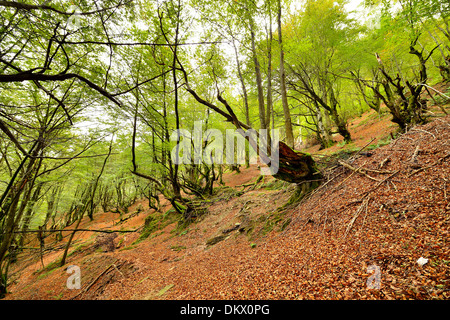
{"x": 405, "y": 219}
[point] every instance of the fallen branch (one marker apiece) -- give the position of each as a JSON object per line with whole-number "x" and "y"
{"x": 365, "y": 146}
{"x": 415, "y": 154}
{"x": 73, "y": 230}
{"x": 356, "y": 215}
{"x": 380, "y": 183}
{"x": 358, "y": 170}
{"x": 382, "y": 163}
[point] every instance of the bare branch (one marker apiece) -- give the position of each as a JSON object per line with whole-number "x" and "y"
{"x": 31, "y": 7}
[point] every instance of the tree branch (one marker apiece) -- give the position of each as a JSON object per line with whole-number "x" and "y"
{"x": 31, "y": 7}
{"x": 29, "y": 76}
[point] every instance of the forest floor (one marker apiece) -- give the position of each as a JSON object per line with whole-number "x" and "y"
{"x": 388, "y": 211}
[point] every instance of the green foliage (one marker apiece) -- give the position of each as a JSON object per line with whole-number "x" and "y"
{"x": 113, "y": 76}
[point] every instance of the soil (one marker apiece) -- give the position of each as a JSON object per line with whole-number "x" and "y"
{"x": 252, "y": 245}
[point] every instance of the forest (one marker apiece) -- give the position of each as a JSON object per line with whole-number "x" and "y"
{"x": 98, "y": 96}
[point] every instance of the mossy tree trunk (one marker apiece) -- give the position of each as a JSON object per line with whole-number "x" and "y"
{"x": 295, "y": 166}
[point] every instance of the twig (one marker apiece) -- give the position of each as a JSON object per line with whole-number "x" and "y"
{"x": 415, "y": 129}
{"x": 347, "y": 177}
{"x": 365, "y": 146}
{"x": 380, "y": 183}
{"x": 393, "y": 184}
{"x": 115, "y": 267}
{"x": 415, "y": 154}
{"x": 93, "y": 282}
{"x": 413, "y": 160}
{"x": 359, "y": 170}
{"x": 382, "y": 163}
{"x": 356, "y": 215}
{"x": 428, "y": 167}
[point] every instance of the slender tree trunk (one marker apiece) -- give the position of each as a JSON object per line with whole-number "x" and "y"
{"x": 29, "y": 212}
{"x": 324, "y": 137}
{"x": 244, "y": 88}
{"x": 286, "y": 111}
{"x": 85, "y": 207}
{"x": 14, "y": 213}
{"x": 269, "y": 72}
{"x": 262, "y": 112}
{"x": 340, "y": 123}
{"x": 174, "y": 178}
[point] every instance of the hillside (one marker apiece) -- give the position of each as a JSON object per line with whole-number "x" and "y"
{"x": 385, "y": 209}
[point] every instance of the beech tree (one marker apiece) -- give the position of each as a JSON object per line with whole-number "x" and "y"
{"x": 315, "y": 64}
{"x": 400, "y": 89}
{"x": 92, "y": 94}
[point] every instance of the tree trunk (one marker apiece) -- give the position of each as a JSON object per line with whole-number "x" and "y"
{"x": 340, "y": 123}
{"x": 295, "y": 166}
{"x": 286, "y": 111}
{"x": 325, "y": 139}
{"x": 29, "y": 212}
{"x": 244, "y": 89}
{"x": 262, "y": 112}
{"x": 269, "y": 73}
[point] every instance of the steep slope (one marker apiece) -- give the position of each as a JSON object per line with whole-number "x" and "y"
{"x": 379, "y": 211}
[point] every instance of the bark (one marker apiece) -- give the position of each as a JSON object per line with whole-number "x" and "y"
{"x": 269, "y": 72}
{"x": 295, "y": 166}
{"x": 286, "y": 111}
{"x": 325, "y": 139}
{"x": 244, "y": 88}
{"x": 262, "y": 112}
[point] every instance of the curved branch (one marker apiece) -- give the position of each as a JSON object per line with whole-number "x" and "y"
{"x": 30, "y": 7}
{"x": 29, "y": 76}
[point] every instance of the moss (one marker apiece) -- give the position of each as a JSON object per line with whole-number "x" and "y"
{"x": 177, "y": 248}
{"x": 303, "y": 153}
{"x": 129, "y": 247}
{"x": 215, "y": 240}
{"x": 285, "y": 224}
{"x": 272, "y": 221}
{"x": 275, "y": 185}
{"x": 48, "y": 269}
{"x": 157, "y": 221}
{"x": 302, "y": 191}
{"x": 164, "y": 290}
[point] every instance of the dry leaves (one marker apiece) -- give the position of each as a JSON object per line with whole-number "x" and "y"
{"x": 324, "y": 253}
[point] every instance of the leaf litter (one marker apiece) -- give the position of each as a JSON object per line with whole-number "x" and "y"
{"x": 341, "y": 235}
